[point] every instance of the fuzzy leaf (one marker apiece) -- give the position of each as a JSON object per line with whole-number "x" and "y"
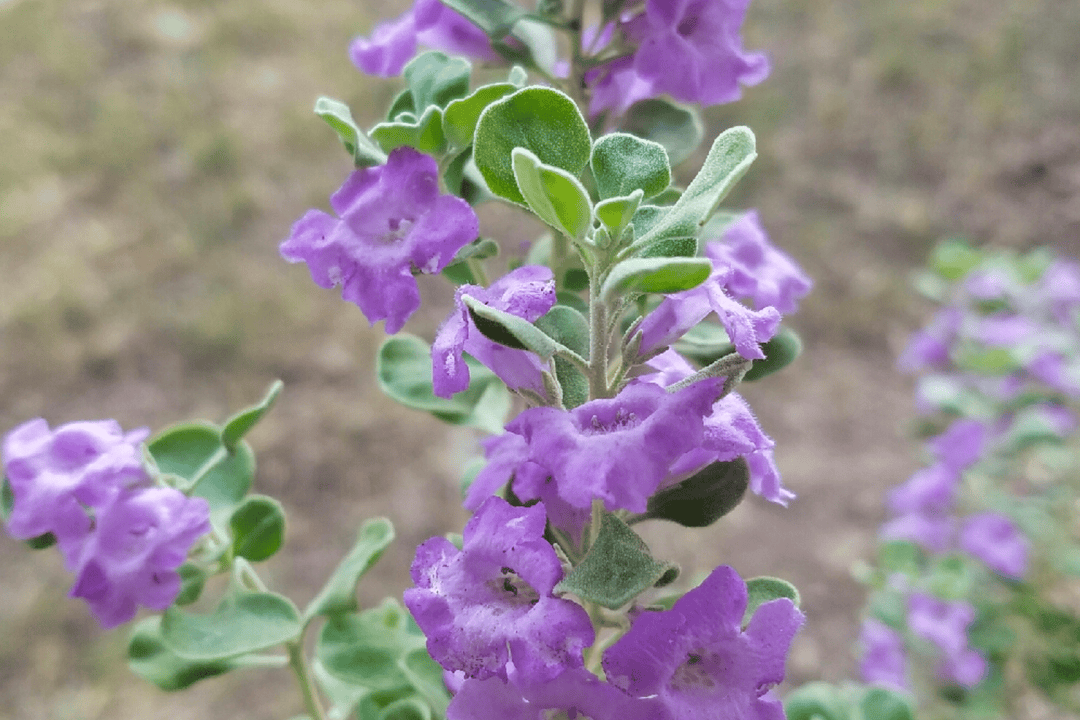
{"x": 337, "y": 115}
{"x": 622, "y": 163}
{"x": 704, "y": 497}
{"x": 617, "y": 568}
{"x": 542, "y": 120}
{"x": 678, "y": 128}
{"x": 244, "y": 622}
{"x": 731, "y": 155}
{"x": 655, "y": 275}
{"x": 556, "y": 196}
{"x": 240, "y": 423}
{"x": 461, "y": 116}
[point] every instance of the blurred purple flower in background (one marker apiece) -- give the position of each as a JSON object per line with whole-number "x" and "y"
{"x": 945, "y": 624}
{"x": 884, "y": 661}
{"x": 995, "y": 539}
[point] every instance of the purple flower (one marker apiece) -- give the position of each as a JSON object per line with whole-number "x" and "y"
{"x": 884, "y": 661}
{"x": 929, "y": 347}
{"x": 697, "y": 660}
{"x": 616, "y": 86}
{"x": 55, "y": 474}
{"x": 945, "y": 624}
{"x": 139, "y": 540}
{"x": 1059, "y": 288}
{"x": 1004, "y": 330}
{"x": 691, "y": 50}
{"x": 1050, "y": 367}
{"x": 730, "y": 431}
{"x": 683, "y": 310}
{"x": 528, "y": 292}
{"x": 430, "y": 23}
{"x": 392, "y": 220}
{"x": 930, "y": 490}
{"x": 618, "y": 449}
{"x": 759, "y": 271}
{"x": 930, "y": 530}
{"x": 492, "y": 601}
{"x": 962, "y": 445}
{"x": 995, "y": 539}
{"x": 576, "y": 692}
{"x": 942, "y": 622}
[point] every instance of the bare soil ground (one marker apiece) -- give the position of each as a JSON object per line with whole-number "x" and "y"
{"x": 153, "y": 154}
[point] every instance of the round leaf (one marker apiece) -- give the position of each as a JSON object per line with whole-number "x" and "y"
{"x": 258, "y": 528}
{"x": 542, "y": 120}
{"x": 704, "y": 497}
{"x": 679, "y": 129}
{"x": 151, "y": 659}
{"x": 622, "y": 163}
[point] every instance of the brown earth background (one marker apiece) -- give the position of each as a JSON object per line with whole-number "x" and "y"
{"x": 154, "y": 154}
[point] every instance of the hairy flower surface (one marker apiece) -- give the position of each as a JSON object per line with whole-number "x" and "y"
{"x": 692, "y": 50}
{"x": 429, "y": 23}
{"x": 730, "y": 431}
{"x": 759, "y": 271}
{"x": 528, "y": 292}
{"x": 492, "y": 601}
{"x": 884, "y": 661}
{"x": 55, "y": 475}
{"x": 995, "y": 539}
{"x": 577, "y": 693}
{"x": 140, "y": 538}
{"x": 620, "y": 449}
{"x": 698, "y": 661}
{"x": 679, "y": 312}
{"x": 392, "y": 220}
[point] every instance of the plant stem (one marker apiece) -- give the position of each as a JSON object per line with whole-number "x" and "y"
{"x": 299, "y": 665}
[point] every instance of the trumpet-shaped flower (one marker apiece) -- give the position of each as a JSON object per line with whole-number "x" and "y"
{"x": 56, "y": 474}
{"x": 527, "y": 292}
{"x": 492, "y": 601}
{"x": 140, "y": 538}
{"x": 683, "y": 310}
{"x": 697, "y": 660}
{"x": 392, "y": 221}
{"x": 619, "y": 449}
{"x": 430, "y": 23}
{"x": 759, "y": 271}
{"x": 692, "y": 50}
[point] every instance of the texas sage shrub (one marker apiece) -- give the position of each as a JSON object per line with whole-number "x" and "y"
{"x": 603, "y": 364}
{"x": 974, "y": 599}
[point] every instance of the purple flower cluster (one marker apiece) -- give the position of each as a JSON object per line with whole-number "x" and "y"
{"x": 701, "y": 38}
{"x": 391, "y": 221}
{"x": 688, "y": 49}
{"x": 492, "y": 619}
{"x": 84, "y": 482}
{"x": 428, "y": 23}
